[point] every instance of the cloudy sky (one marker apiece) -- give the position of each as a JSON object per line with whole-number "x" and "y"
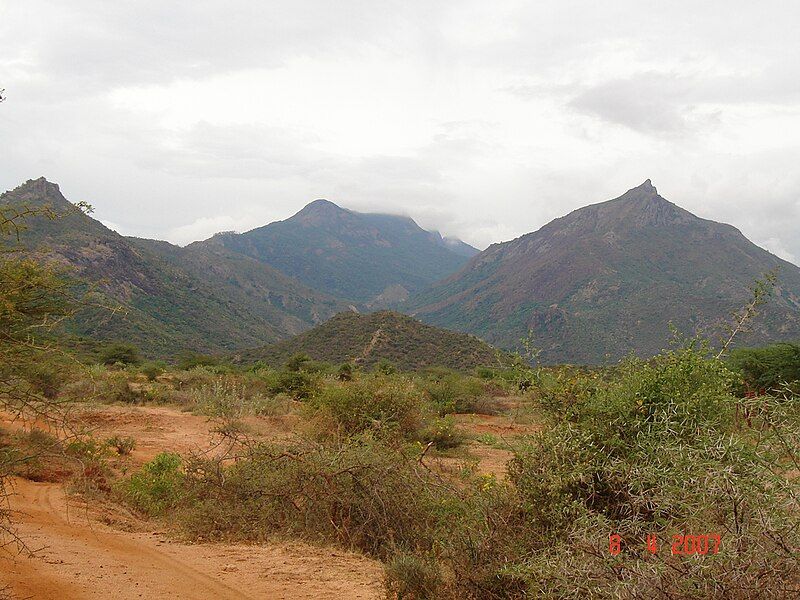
{"x": 481, "y": 119}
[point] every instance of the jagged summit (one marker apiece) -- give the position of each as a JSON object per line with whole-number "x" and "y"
{"x": 646, "y": 188}
{"x": 639, "y": 207}
{"x": 39, "y": 192}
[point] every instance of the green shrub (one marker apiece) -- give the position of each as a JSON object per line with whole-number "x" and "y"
{"x": 191, "y": 360}
{"x": 384, "y": 367}
{"x": 46, "y": 378}
{"x": 152, "y": 370}
{"x": 363, "y": 494}
{"x": 656, "y": 450}
{"x": 296, "y": 384}
{"x": 222, "y": 398}
{"x": 87, "y": 449}
{"x": 116, "y": 387}
{"x": 121, "y": 445}
{"x": 376, "y": 403}
{"x": 767, "y": 368}
{"x": 442, "y": 433}
{"x": 157, "y": 487}
{"x": 455, "y": 393}
{"x": 124, "y": 354}
{"x": 410, "y": 577}
{"x": 653, "y": 447}
{"x": 345, "y": 372}
{"x": 296, "y": 362}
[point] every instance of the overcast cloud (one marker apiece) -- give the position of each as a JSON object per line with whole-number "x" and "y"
{"x": 481, "y": 119}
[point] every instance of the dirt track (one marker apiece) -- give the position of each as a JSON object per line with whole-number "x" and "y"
{"x": 78, "y": 556}
{"x": 96, "y": 553}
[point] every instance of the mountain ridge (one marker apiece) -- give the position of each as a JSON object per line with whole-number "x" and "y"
{"x": 173, "y": 299}
{"x": 596, "y": 284}
{"x": 358, "y": 257}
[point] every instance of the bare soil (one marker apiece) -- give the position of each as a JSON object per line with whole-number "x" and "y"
{"x": 82, "y": 552}
{"x": 91, "y": 550}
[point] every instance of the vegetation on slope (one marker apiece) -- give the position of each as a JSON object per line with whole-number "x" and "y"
{"x": 350, "y": 255}
{"x": 382, "y": 336}
{"x": 171, "y": 299}
{"x": 608, "y": 279}
{"x": 768, "y": 368}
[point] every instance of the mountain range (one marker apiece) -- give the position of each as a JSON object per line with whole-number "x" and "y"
{"x": 595, "y": 285}
{"x": 609, "y": 279}
{"x": 233, "y": 291}
{"x": 206, "y": 299}
{"x": 361, "y": 257}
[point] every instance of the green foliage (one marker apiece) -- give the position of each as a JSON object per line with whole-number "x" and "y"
{"x": 373, "y": 403}
{"x": 152, "y": 370}
{"x": 115, "y": 386}
{"x": 47, "y": 377}
{"x": 123, "y": 354}
{"x": 455, "y": 393}
{"x": 222, "y": 398}
{"x": 87, "y": 448}
{"x": 32, "y": 299}
{"x": 121, "y": 445}
{"x": 657, "y": 450}
{"x": 362, "y": 494}
{"x": 767, "y": 368}
{"x": 157, "y": 487}
{"x": 345, "y": 372}
{"x": 296, "y": 384}
{"x": 442, "y": 433}
{"x": 192, "y": 360}
{"x": 297, "y": 361}
{"x": 381, "y": 338}
{"x": 385, "y": 367}
{"x": 651, "y": 447}
{"x": 411, "y": 577}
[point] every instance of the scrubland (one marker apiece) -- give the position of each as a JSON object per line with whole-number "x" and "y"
{"x": 503, "y": 483}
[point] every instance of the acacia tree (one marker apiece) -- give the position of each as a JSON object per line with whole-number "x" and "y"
{"x": 34, "y": 299}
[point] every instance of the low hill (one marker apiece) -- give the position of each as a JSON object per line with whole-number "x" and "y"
{"x": 205, "y": 299}
{"x": 361, "y": 257}
{"x": 384, "y": 335}
{"x": 608, "y": 279}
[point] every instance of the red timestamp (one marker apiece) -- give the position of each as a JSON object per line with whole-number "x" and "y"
{"x": 682, "y": 544}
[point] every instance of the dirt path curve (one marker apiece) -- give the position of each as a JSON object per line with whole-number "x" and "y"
{"x": 80, "y": 558}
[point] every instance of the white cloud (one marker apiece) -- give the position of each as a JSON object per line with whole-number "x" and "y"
{"x": 202, "y": 228}
{"x": 481, "y": 120}
{"x": 775, "y": 246}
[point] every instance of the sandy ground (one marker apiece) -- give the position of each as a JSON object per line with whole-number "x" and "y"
{"x": 76, "y": 555}
{"x": 100, "y": 552}
{"x": 493, "y": 460}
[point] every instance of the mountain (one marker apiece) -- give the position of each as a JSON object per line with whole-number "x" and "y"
{"x": 608, "y": 279}
{"x": 384, "y": 335}
{"x": 202, "y": 298}
{"x": 360, "y": 257}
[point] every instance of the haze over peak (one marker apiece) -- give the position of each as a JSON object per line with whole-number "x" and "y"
{"x": 362, "y": 257}
{"x": 320, "y": 208}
